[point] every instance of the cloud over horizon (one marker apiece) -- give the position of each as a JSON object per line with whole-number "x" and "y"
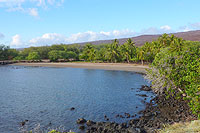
{"x": 56, "y": 38}
{"x": 16, "y": 41}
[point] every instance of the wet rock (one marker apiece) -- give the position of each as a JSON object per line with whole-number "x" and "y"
{"x": 82, "y": 127}
{"x": 148, "y": 114}
{"x": 81, "y": 121}
{"x": 145, "y": 88}
{"x": 127, "y": 115}
{"x": 131, "y": 130}
{"x": 124, "y": 125}
{"x": 90, "y": 123}
{"x": 121, "y": 116}
{"x": 142, "y": 95}
{"x": 134, "y": 115}
{"x": 117, "y": 115}
{"x": 72, "y": 108}
{"x": 22, "y": 123}
{"x": 160, "y": 111}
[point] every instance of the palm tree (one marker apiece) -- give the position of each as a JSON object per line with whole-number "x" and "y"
{"x": 177, "y": 45}
{"x": 128, "y": 50}
{"x": 112, "y": 51}
{"x": 141, "y": 56}
{"x": 92, "y": 54}
{"x": 164, "y": 40}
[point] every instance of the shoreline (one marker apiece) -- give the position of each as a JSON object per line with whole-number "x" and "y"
{"x": 104, "y": 66}
{"x": 158, "y": 113}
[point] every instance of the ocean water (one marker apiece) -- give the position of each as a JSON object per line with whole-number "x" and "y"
{"x": 44, "y": 95}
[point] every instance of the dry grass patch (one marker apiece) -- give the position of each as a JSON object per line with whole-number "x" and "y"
{"x": 189, "y": 127}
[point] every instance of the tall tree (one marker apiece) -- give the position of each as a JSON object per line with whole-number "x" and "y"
{"x": 128, "y": 50}
{"x": 54, "y": 55}
{"x": 34, "y": 56}
{"x": 113, "y": 52}
{"x": 141, "y": 55}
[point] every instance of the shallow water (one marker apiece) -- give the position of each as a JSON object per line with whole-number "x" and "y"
{"x": 45, "y": 95}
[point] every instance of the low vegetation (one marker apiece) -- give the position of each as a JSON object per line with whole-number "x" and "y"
{"x": 189, "y": 127}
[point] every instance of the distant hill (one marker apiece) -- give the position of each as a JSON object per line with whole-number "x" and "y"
{"x": 140, "y": 40}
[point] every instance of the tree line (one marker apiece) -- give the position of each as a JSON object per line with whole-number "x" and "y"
{"x": 113, "y": 52}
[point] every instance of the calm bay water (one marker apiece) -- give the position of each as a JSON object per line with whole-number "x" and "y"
{"x": 45, "y": 95}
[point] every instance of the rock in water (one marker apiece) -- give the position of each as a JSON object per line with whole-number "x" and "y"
{"x": 81, "y": 121}
{"x": 82, "y": 127}
{"x": 145, "y": 88}
{"x": 72, "y": 108}
{"x": 90, "y": 123}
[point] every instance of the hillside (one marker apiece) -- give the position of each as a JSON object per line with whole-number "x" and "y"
{"x": 140, "y": 40}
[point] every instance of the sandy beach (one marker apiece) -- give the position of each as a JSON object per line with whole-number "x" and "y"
{"x": 104, "y": 66}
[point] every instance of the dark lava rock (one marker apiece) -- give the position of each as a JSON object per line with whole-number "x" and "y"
{"x": 22, "y": 123}
{"x": 81, "y": 121}
{"x": 127, "y": 115}
{"x": 121, "y": 116}
{"x": 72, "y": 108}
{"x": 148, "y": 114}
{"x": 142, "y": 95}
{"x": 117, "y": 116}
{"x": 145, "y": 88}
{"x": 82, "y": 127}
{"x": 131, "y": 130}
{"x": 90, "y": 123}
{"x": 159, "y": 112}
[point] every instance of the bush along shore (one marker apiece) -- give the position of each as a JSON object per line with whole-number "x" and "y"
{"x": 160, "y": 111}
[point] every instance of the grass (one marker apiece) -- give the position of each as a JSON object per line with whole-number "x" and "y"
{"x": 189, "y": 127}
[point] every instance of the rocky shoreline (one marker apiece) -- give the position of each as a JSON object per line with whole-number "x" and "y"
{"x": 158, "y": 112}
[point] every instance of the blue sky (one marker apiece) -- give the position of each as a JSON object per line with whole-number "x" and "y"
{"x": 25, "y": 23}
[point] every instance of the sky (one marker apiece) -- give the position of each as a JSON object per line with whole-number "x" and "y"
{"x": 25, "y": 23}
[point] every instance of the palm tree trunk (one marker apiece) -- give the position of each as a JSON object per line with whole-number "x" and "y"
{"x": 127, "y": 59}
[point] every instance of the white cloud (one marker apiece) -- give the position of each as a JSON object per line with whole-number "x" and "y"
{"x": 165, "y": 27}
{"x": 48, "y": 39}
{"x": 1, "y": 36}
{"x": 33, "y": 12}
{"x": 11, "y": 5}
{"x": 45, "y": 3}
{"x": 16, "y": 41}
{"x": 195, "y": 25}
{"x": 154, "y": 30}
{"x": 184, "y": 29}
{"x": 28, "y": 6}
{"x": 54, "y": 38}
